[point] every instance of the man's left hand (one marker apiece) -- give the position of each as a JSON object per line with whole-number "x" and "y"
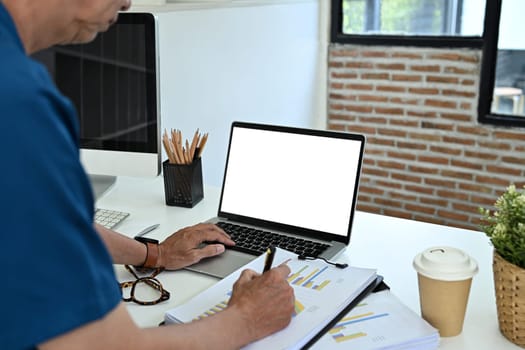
{"x": 183, "y": 248}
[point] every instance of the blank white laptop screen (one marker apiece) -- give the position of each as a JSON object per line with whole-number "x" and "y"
{"x": 301, "y": 180}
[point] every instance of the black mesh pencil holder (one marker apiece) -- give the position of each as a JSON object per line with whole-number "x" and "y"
{"x": 183, "y": 183}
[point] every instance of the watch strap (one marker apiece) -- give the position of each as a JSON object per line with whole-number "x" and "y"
{"x": 152, "y": 252}
{"x": 152, "y": 255}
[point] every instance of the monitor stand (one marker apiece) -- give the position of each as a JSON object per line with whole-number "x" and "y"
{"x": 101, "y": 184}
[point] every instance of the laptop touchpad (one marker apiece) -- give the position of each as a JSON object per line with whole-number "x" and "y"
{"x": 222, "y": 265}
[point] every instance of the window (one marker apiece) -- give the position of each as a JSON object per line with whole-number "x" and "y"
{"x": 450, "y": 23}
{"x": 411, "y": 17}
{"x": 503, "y": 70}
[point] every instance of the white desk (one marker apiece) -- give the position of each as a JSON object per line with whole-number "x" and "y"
{"x": 386, "y": 243}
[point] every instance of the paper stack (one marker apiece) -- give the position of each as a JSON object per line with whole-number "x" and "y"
{"x": 321, "y": 291}
{"x": 380, "y": 321}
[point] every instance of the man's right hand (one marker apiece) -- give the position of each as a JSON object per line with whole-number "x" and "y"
{"x": 266, "y": 302}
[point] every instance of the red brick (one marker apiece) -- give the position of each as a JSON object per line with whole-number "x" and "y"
{"x": 422, "y": 170}
{"x": 452, "y": 215}
{"x": 494, "y": 169}
{"x": 425, "y": 68}
{"x": 474, "y": 130}
{"x": 457, "y": 175}
{"x": 434, "y": 201}
{"x": 425, "y": 137}
{"x": 456, "y": 70}
{"x": 390, "y": 88}
{"x": 361, "y": 129}
{"x": 491, "y": 180}
{"x": 460, "y": 93}
{"x": 474, "y": 187}
{"x": 391, "y": 132}
{"x": 420, "y": 189}
{"x": 436, "y": 126}
{"x": 411, "y": 145}
{"x": 406, "y": 177}
{"x": 445, "y": 150}
{"x": 420, "y": 209}
{"x": 423, "y": 114}
{"x": 481, "y": 155}
{"x": 508, "y": 135}
{"x": 423, "y": 91}
{"x": 373, "y": 98}
{"x": 358, "y": 108}
{"x": 380, "y": 141}
{"x": 375, "y": 76}
{"x": 464, "y": 164}
{"x": 457, "y": 117}
{"x": 407, "y": 55}
{"x": 441, "y": 103}
{"x": 391, "y": 66}
{"x": 343, "y": 75}
{"x": 439, "y": 183}
{"x": 371, "y": 53}
{"x": 404, "y": 101}
{"x": 388, "y": 184}
{"x": 404, "y": 122}
{"x": 342, "y": 117}
{"x": 406, "y": 77}
{"x": 433, "y": 159}
{"x": 358, "y": 65}
{"x": 397, "y": 213}
{"x": 335, "y": 96}
{"x": 374, "y": 172}
{"x": 459, "y": 140}
{"x": 402, "y": 196}
{"x": 359, "y": 87}
{"x": 513, "y": 160}
{"x": 389, "y": 110}
{"x": 343, "y": 53}
{"x": 442, "y": 79}
{"x": 372, "y": 120}
{"x": 387, "y": 164}
{"x": 400, "y": 155}
{"x": 371, "y": 190}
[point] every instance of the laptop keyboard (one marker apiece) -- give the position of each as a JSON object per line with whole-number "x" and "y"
{"x": 255, "y": 241}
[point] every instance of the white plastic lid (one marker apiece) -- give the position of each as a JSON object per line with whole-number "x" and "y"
{"x": 445, "y": 263}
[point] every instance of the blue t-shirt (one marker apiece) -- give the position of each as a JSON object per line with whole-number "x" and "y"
{"x": 56, "y": 272}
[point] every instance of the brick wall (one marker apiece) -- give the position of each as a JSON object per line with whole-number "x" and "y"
{"x": 427, "y": 158}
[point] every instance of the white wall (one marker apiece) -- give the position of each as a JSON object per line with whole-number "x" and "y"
{"x": 251, "y": 63}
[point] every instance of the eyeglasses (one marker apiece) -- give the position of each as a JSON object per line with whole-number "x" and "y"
{"x": 144, "y": 290}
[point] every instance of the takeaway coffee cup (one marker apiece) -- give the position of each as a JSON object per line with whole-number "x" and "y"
{"x": 444, "y": 278}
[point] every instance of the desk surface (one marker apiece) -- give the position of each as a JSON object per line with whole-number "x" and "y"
{"x": 386, "y": 243}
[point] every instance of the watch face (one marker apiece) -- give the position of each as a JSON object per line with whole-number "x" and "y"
{"x": 146, "y": 240}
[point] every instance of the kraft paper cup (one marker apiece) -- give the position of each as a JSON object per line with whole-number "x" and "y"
{"x": 444, "y": 278}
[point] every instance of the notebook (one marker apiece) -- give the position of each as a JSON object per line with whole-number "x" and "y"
{"x": 291, "y": 181}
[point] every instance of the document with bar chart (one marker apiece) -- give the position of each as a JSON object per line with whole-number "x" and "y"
{"x": 380, "y": 321}
{"x": 322, "y": 291}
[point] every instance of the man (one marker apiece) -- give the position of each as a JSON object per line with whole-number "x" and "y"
{"x": 59, "y": 289}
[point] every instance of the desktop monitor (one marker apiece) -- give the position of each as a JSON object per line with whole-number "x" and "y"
{"x": 113, "y": 82}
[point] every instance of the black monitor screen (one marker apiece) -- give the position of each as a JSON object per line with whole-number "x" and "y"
{"x": 112, "y": 83}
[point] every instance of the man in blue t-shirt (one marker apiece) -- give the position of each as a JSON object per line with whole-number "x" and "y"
{"x": 60, "y": 290}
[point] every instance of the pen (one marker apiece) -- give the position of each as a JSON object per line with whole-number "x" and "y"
{"x": 147, "y": 229}
{"x": 270, "y": 253}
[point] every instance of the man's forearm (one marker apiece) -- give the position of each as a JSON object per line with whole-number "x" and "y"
{"x": 123, "y": 250}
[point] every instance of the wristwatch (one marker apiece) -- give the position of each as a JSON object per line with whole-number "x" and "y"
{"x": 152, "y": 252}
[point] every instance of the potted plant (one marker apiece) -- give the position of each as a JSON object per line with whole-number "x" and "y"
{"x": 505, "y": 226}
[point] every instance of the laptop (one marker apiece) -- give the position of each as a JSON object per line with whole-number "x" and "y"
{"x": 299, "y": 185}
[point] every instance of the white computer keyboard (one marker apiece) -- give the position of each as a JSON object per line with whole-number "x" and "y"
{"x": 109, "y": 218}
